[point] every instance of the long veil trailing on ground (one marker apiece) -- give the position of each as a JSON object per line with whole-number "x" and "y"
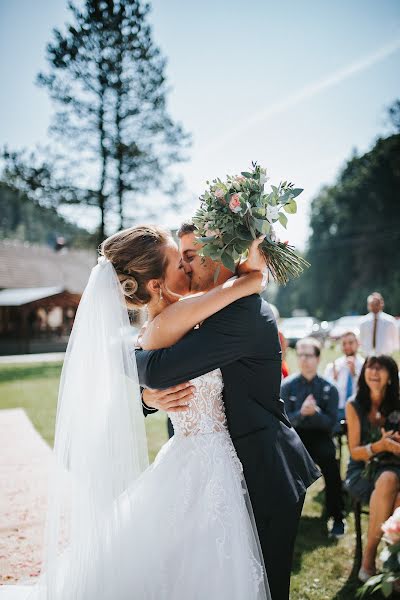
{"x": 99, "y": 450}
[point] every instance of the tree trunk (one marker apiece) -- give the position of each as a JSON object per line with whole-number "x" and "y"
{"x": 119, "y": 149}
{"x": 102, "y": 199}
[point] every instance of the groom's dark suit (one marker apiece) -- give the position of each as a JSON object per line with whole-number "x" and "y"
{"x": 242, "y": 340}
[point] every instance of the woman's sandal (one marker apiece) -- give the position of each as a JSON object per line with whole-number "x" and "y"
{"x": 364, "y": 575}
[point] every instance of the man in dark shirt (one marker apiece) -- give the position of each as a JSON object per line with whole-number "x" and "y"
{"x": 311, "y": 404}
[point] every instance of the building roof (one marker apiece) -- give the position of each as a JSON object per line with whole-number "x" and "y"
{"x": 21, "y": 296}
{"x": 24, "y": 265}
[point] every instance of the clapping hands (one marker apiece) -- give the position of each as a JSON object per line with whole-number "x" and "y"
{"x": 309, "y": 406}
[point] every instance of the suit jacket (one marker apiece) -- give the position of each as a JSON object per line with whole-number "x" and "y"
{"x": 242, "y": 340}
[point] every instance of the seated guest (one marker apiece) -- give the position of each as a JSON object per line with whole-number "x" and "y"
{"x": 311, "y": 404}
{"x": 345, "y": 370}
{"x": 373, "y": 474}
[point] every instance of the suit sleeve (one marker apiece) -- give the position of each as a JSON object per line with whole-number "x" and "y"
{"x": 146, "y": 409}
{"x": 224, "y": 338}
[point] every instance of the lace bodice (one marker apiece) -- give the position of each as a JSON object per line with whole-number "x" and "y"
{"x": 206, "y": 413}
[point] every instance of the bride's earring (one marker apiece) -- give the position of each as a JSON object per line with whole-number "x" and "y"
{"x": 161, "y": 295}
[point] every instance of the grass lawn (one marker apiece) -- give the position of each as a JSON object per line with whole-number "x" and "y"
{"x": 322, "y": 568}
{"x": 34, "y": 387}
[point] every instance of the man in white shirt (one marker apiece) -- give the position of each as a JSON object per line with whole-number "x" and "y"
{"x": 345, "y": 370}
{"x": 378, "y": 331}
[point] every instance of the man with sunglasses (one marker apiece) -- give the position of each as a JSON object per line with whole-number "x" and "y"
{"x": 311, "y": 404}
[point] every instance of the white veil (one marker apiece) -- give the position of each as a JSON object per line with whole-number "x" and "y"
{"x": 99, "y": 450}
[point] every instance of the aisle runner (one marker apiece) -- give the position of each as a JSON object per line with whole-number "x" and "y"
{"x": 24, "y": 464}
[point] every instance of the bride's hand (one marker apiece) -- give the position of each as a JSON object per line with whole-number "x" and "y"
{"x": 255, "y": 260}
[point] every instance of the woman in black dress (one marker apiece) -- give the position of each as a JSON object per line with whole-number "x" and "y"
{"x": 373, "y": 475}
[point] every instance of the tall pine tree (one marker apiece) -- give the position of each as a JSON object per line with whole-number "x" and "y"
{"x": 107, "y": 78}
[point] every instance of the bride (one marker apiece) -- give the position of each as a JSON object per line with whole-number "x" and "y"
{"x": 118, "y": 529}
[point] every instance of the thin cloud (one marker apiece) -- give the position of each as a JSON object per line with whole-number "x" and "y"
{"x": 307, "y": 92}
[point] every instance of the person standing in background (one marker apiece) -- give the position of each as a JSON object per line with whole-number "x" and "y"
{"x": 345, "y": 370}
{"x": 378, "y": 330}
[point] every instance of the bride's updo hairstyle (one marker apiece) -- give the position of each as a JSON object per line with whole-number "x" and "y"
{"x": 138, "y": 255}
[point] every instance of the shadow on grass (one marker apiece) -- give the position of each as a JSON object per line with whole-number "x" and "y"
{"x": 312, "y": 534}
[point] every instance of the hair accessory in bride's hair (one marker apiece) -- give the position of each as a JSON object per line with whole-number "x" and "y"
{"x": 130, "y": 285}
{"x": 236, "y": 211}
{"x": 102, "y": 260}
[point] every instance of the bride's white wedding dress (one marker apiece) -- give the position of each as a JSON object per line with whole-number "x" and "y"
{"x": 187, "y": 528}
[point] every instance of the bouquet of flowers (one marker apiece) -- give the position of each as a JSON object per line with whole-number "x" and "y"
{"x": 390, "y": 557}
{"x": 236, "y": 211}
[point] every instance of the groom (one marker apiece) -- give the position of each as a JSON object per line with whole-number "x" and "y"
{"x": 242, "y": 340}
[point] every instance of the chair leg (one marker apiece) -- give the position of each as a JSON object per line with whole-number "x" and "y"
{"x": 357, "y": 523}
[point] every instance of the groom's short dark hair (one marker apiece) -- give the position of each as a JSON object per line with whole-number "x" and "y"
{"x": 185, "y": 228}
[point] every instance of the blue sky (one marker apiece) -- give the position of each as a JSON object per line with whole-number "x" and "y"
{"x": 296, "y": 85}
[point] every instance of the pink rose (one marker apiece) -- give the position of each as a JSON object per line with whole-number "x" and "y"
{"x": 219, "y": 193}
{"x": 234, "y": 203}
{"x": 213, "y": 232}
{"x": 391, "y": 530}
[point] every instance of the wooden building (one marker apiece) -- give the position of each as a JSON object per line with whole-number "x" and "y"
{"x": 40, "y": 290}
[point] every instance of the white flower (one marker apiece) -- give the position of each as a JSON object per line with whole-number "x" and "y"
{"x": 385, "y": 554}
{"x": 272, "y": 213}
{"x": 263, "y": 176}
{"x": 213, "y": 232}
{"x": 273, "y": 236}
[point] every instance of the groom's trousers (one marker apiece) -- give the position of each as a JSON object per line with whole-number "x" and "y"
{"x": 277, "y": 538}
{"x": 276, "y": 505}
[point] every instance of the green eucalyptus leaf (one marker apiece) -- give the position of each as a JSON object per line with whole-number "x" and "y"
{"x": 244, "y": 234}
{"x": 290, "y": 207}
{"x": 259, "y": 212}
{"x": 387, "y": 588}
{"x": 266, "y": 227}
{"x": 228, "y": 261}
{"x": 216, "y": 274}
{"x": 296, "y": 192}
{"x": 285, "y": 197}
{"x": 258, "y": 223}
{"x": 205, "y": 240}
{"x": 283, "y": 219}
